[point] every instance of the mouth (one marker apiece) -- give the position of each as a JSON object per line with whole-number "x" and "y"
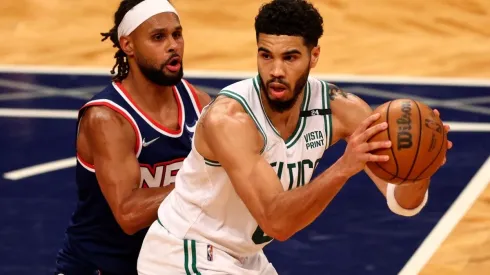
{"x": 277, "y": 90}
{"x": 174, "y": 64}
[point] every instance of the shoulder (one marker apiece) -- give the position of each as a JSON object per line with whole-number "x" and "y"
{"x": 225, "y": 111}
{"x": 101, "y": 118}
{"x": 241, "y": 86}
{"x": 103, "y": 129}
{"x": 203, "y": 97}
{"x": 348, "y": 110}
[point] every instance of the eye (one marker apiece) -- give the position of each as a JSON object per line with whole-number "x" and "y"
{"x": 158, "y": 36}
{"x": 265, "y": 56}
{"x": 177, "y": 35}
{"x": 290, "y": 58}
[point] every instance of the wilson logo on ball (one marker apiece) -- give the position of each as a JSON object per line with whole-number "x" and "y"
{"x": 404, "y": 136}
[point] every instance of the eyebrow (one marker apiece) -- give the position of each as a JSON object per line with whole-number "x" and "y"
{"x": 294, "y": 51}
{"x": 160, "y": 30}
{"x": 262, "y": 49}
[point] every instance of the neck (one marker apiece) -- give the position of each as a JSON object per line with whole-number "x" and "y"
{"x": 146, "y": 93}
{"x": 286, "y": 121}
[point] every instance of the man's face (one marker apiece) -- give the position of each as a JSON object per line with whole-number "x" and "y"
{"x": 158, "y": 49}
{"x": 284, "y": 64}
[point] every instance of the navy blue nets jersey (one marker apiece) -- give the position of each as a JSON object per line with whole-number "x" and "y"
{"x": 93, "y": 237}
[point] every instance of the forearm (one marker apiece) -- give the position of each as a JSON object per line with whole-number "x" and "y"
{"x": 139, "y": 210}
{"x": 293, "y": 210}
{"x": 406, "y": 199}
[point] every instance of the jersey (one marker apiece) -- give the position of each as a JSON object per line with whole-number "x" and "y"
{"x": 93, "y": 238}
{"x": 204, "y": 205}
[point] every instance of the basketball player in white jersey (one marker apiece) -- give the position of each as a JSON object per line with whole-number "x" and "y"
{"x": 247, "y": 178}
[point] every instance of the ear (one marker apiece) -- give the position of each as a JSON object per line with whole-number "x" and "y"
{"x": 315, "y": 56}
{"x": 127, "y": 46}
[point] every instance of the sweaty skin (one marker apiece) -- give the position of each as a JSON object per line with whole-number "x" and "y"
{"x": 228, "y": 135}
{"x": 107, "y": 140}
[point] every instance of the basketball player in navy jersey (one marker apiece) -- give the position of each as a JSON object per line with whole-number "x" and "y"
{"x": 131, "y": 141}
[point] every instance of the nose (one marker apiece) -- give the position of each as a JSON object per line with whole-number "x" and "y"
{"x": 278, "y": 69}
{"x": 172, "y": 44}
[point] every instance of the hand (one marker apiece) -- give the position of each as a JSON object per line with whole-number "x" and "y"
{"x": 446, "y": 128}
{"x": 358, "y": 149}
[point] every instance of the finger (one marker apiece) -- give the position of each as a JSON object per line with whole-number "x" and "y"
{"x": 443, "y": 161}
{"x": 449, "y": 144}
{"x": 447, "y": 127}
{"x": 366, "y": 123}
{"x": 377, "y": 158}
{"x": 437, "y": 113}
{"x": 372, "y": 131}
{"x": 375, "y": 145}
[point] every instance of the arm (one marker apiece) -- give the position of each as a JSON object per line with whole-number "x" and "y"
{"x": 402, "y": 199}
{"x": 203, "y": 97}
{"x": 279, "y": 213}
{"x": 108, "y": 140}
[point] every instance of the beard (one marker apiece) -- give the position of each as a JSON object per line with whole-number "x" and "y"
{"x": 157, "y": 75}
{"x": 281, "y": 106}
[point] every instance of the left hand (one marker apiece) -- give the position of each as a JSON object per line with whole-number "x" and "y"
{"x": 446, "y": 128}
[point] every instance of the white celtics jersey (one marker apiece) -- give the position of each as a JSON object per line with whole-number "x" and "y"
{"x": 204, "y": 205}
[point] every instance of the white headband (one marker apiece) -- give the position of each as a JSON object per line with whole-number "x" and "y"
{"x": 140, "y": 13}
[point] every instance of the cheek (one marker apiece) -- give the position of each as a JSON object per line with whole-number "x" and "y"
{"x": 180, "y": 45}
{"x": 261, "y": 68}
{"x": 157, "y": 54}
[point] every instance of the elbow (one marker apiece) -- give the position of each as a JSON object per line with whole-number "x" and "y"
{"x": 278, "y": 233}
{"x": 276, "y": 229}
{"x": 128, "y": 230}
{"x": 283, "y": 236}
{"x": 126, "y": 224}
{"x": 126, "y": 221}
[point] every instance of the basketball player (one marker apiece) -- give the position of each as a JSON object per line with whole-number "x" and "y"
{"x": 247, "y": 178}
{"x": 132, "y": 139}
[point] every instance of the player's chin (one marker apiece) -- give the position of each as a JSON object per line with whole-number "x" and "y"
{"x": 173, "y": 75}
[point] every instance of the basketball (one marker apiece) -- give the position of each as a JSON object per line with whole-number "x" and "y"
{"x": 419, "y": 142}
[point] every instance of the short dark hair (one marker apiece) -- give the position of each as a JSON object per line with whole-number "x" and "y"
{"x": 121, "y": 58}
{"x": 290, "y": 17}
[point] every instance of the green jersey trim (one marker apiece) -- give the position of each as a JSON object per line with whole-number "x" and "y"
{"x": 328, "y": 121}
{"x": 300, "y": 126}
{"x": 247, "y": 108}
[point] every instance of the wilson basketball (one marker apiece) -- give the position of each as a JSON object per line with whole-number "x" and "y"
{"x": 419, "y": 142}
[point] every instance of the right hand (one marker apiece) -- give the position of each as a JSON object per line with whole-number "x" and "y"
{"x": 358, "y": 149}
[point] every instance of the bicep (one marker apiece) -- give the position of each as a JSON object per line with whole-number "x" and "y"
{"x": 236, "y": 145}
{"x": 111, "y": 140}
{"x": 252, "y": 177}
{"x": 118, "y": 173}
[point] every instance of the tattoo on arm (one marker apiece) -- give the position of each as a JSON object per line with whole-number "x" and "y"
{"x": 334, "y": 92}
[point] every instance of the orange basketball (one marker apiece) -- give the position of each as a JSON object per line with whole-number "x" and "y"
{"x": 419, "y": 142}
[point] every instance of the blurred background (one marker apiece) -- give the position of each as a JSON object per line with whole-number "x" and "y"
{"x": 52, "y": 60}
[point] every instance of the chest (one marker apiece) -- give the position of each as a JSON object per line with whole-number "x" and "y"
{"x": 162, "y": 156}
{"x": 295, "y": 159}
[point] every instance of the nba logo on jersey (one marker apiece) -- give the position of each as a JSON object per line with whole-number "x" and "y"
{"x": 210, "y": 253}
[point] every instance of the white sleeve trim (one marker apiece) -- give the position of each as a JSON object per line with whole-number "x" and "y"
{"x": 396, "y": 208}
